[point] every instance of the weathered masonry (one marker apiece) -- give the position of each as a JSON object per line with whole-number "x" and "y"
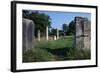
{"x": 27, "y": 33}
{"x": 82, "y": 33}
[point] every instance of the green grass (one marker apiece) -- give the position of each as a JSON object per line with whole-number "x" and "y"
{"x": 37, "y": 55}
{"x": 42, "y": 55}
{"x": 56, "y": 50}
{"x": 78, "y": 54}
{"x": 60, "y": 43}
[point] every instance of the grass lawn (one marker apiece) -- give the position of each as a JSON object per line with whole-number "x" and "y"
{"x": 66, "y": 42}
{"x": 55, "y": 50}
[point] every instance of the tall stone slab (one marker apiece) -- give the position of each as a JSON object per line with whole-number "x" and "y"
{"x": 87, "y": 34}
{"x": 38, "y": 35}
{"x": 79, "y": 39}
{"x": 47, "y": 33}
{"x": 82, "y": 35}
{"x": 57, "y": 34}
{"x": 28, "y": 33}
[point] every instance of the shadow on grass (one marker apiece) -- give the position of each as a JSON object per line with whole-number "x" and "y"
{"x": 58, "y": 51}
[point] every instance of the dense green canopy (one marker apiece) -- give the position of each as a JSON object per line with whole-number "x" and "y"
{"x": 41, "y": 20}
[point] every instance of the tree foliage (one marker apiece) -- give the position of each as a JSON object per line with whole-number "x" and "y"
{"x": 65, "y": 28}
{"x": 68, "y": 29}
{"x": 72, "y": 27}
{"x": 41, "y": 20}
{"x": 53, "y": 32}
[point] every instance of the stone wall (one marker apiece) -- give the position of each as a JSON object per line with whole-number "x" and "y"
{"x": 82, "y": 35}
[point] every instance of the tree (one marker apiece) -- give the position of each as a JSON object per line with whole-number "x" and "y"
{"x": 65, "y": 29}
{"x": 26, "y": 13}
{"x": 53, "y": 32}
{"x": 71, "y": 27}
{"x": 61, "y": 33}
{"x": 41, "y": 20}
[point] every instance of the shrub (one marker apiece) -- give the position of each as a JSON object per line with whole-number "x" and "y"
{"x": 37, "y": 55}
{"x": 78, "y": 54}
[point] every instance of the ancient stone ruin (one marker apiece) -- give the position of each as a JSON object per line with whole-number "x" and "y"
{"x": 82, "y": 33}
{"x": 28, "y": 33}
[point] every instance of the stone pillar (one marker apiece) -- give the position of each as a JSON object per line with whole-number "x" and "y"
{"x": 47, "y": 33}
{"x": 82, "y": 35}
{"x": 27, "y": 34}
{"x": 79, "y": 39}
{"x": 55, "y": 38}
{"x": 38, "y": 35}
{"x": 87, "y": 34}
{"x": 57, "y": 34}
